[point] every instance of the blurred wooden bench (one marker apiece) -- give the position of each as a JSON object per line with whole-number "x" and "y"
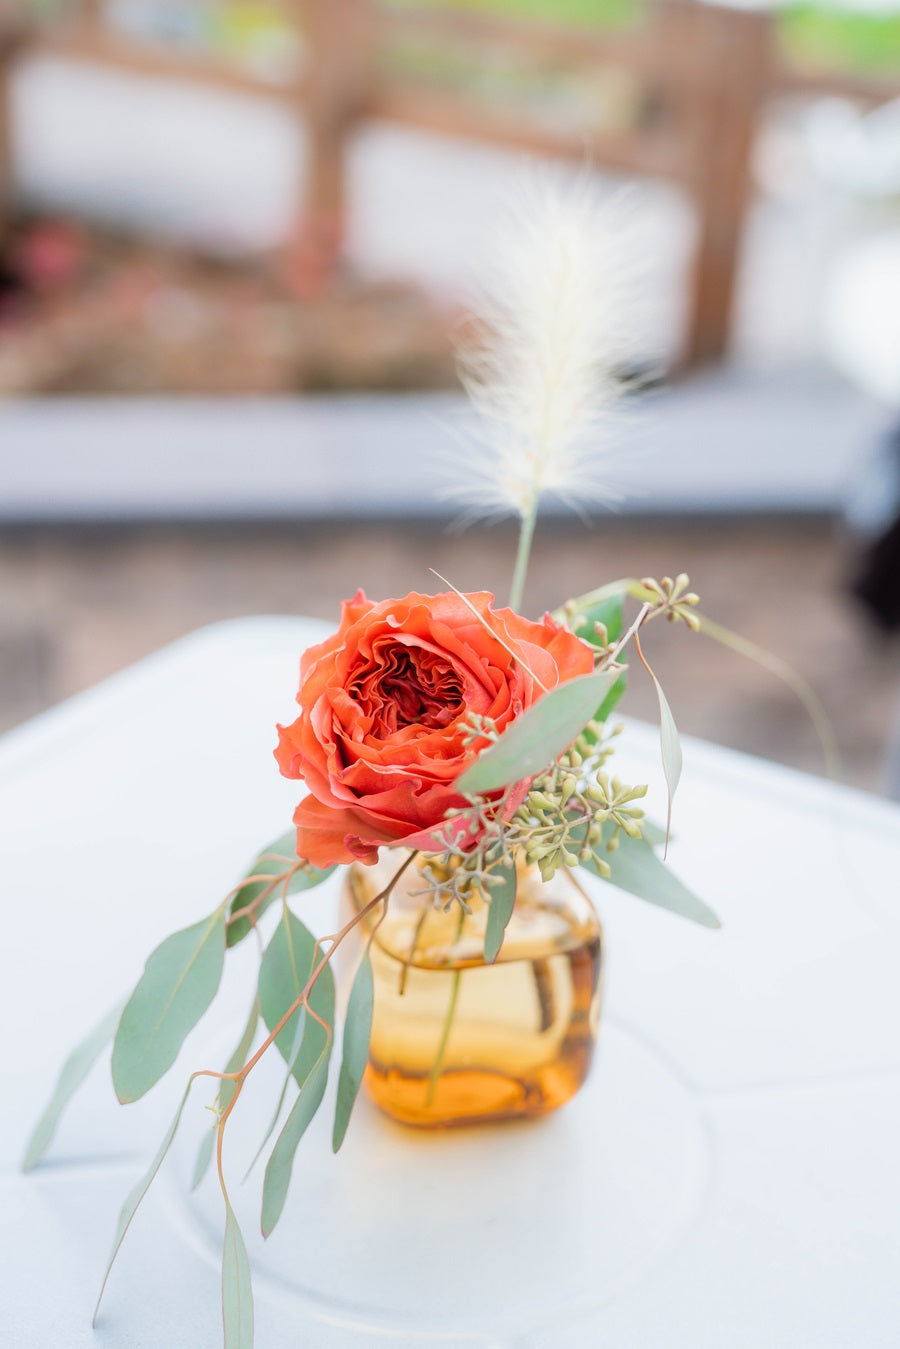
{"x": 699, "y": 76}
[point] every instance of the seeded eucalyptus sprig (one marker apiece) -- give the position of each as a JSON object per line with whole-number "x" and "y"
{"x": 666, "y": 598}
{"x": 572, "y": 814}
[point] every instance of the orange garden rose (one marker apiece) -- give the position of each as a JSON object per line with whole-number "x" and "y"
{"x": 380, "y": 739}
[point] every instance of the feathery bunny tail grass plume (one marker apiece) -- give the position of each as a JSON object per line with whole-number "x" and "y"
{"x": 554, "y": 333}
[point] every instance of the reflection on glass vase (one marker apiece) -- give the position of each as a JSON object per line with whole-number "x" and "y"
{"x": 458, "y": 1041}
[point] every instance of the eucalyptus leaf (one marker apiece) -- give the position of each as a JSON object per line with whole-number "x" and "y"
{"x": 226, "y": 1092}
{"x": 357, "y": 1030}
{"x": 132, "y": 1203}
{"x": 539, "y": 735}
{"x": 72, "y": 1074}
{"x": 299, "y": 1030}
{"x": 608, "y": 706}
{"x": 670, "y": 745}
{"x": 277, "y": 858}
{"x": 500, "y": 909}
{"x": 653, "y": 832}
{"x": 582, "y": 604}
{"x": 281, "y": 1162}
{"x": 288, "y": 962}
{"x": 179, "y": 982}
{"x": 237, "y": 1289}
{"x": 635, "y": 867}
{"x": 204, "y": 1157}
{"x": 608, "y": 610}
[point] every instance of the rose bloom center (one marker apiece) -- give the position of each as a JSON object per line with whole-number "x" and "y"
{"x": 408, "y": 686}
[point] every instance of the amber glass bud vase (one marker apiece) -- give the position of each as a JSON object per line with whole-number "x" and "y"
{"x": 458, "y": 1041}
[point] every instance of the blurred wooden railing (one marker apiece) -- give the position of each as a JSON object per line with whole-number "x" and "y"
{"x": 699, "y": 75}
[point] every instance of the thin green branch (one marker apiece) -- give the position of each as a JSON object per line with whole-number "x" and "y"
{"x": 438, "y": 1065}
{"x": 523, "y": 553}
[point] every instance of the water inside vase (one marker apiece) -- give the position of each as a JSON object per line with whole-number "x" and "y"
{"x": 456, "y": 1041}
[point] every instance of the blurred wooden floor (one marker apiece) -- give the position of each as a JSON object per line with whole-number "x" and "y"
{"x": 75, "y": 606}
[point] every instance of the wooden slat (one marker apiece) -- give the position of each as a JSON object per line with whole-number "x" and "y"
{"x": 91, "y": 14}
{"x": 13, "y": 37}
{"x": 644, "y": 48}
{"x": 6, "y": 164}
{"x": 570, "y": 43}
{"x": 658, "y": 153}
{"x": 160, "y": 61}
{"x": 789, "y": 78}
{"x": 340, "y": 43}
{"x": 721, "y": 129}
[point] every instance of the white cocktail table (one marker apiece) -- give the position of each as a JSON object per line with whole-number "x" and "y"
{"x": 728, "y": 1177}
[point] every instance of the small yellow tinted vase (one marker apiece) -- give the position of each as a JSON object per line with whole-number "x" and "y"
{"x": 457, "y": 1041}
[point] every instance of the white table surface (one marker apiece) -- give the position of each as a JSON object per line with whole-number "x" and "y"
{"x": 729, "y": 1176}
